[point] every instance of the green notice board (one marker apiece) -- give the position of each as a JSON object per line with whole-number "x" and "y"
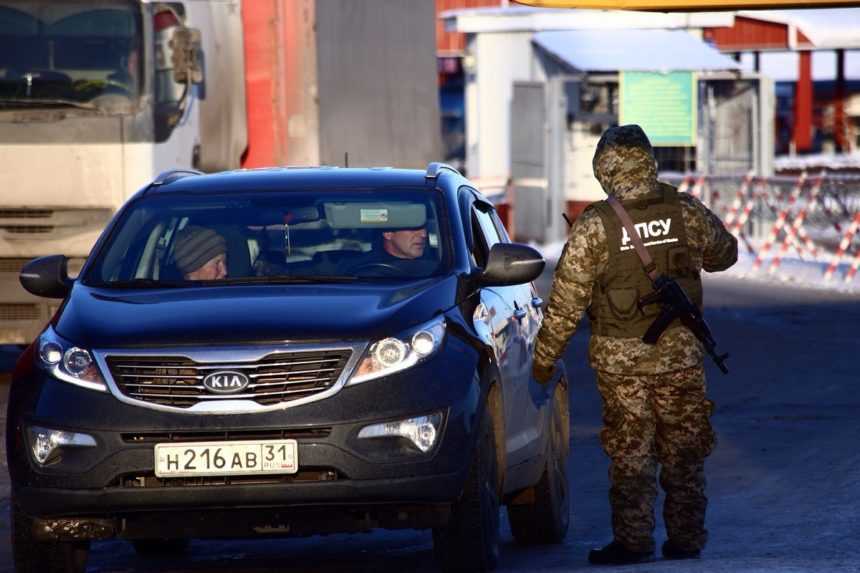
{"x": 663, "y": 104}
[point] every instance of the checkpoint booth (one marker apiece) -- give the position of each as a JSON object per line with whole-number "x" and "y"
{"x": 541, "y": 86}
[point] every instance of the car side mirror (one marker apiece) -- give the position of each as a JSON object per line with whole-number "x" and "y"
{"x": 47, "y": 277}
{"x": 512, "y": 264}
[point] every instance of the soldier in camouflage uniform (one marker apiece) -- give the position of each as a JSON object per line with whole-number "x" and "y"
{"x": 654, "y": 405}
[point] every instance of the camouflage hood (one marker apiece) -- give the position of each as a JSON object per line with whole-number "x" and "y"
{"x": 624, "y": 162}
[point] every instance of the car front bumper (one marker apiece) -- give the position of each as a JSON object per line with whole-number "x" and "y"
{"x": 339, "y": 474}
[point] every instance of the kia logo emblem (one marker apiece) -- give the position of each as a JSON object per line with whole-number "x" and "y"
{"x": 226, "y": 382}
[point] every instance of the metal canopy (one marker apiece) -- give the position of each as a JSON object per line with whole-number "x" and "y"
{"x": 632, "y": 50}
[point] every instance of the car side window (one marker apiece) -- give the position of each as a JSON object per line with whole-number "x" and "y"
{"x": 500, "y": 227}
{"x": 486, "y": 233}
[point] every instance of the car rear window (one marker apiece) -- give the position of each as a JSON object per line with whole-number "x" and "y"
{"x": 167, "y": 240}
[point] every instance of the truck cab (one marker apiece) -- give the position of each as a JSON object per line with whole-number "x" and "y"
{"x": 96, "y": 98}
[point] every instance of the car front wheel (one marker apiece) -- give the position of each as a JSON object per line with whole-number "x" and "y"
{"x": 470, "y": 542}
{"x": 546, "y": 518}
{"x": 33, "y": 556}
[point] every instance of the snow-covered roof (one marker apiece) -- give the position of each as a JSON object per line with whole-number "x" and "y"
{"x": 528, "y": 19}
{"x": 827, "y": 28}
{"x": 632, "y": 50}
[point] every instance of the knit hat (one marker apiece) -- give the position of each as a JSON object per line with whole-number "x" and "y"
{"x": 195, "y": 246}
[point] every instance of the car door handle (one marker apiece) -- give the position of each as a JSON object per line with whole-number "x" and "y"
{"x": 520, "y": 313}
{"x": 537, "y": 302}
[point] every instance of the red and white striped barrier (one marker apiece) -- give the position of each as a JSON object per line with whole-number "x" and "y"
{"x": 811, "y": 216}
{"x": 740, "y": 199}
{"x": 849, "y": 276}
{"x": 780, "y": 222}
{"x": 758, "y": 191}
{"x": 685, "y": 183}
{"x": 793, "y": 232}
{"x": 696, "y": 191}
{"x": 843, "y": 247}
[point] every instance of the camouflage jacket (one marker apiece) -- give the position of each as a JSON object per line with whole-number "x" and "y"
{"x": 626, "y": 174}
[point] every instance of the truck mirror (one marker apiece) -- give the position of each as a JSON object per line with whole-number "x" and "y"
{"x": 186, "y": 55}
{"x": 47, "y": 277}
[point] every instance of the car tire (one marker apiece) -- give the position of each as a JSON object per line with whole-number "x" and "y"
{"x": 160, "y": 547}
{"x": 33, "y": 556}
{"x": 546, "y": 519}
{"x": 470, "y": 541}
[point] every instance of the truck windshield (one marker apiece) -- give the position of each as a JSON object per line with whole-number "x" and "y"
{"x": 294, "y": 237}
{"x": 71, "y": 53}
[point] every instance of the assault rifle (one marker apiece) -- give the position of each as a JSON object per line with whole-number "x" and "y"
{"x": 675, "y": 304}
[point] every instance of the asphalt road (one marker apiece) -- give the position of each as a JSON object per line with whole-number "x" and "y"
{"x": 784, "y": 480}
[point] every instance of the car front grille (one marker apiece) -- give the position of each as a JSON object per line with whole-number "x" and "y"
{"x": 277, "y": 378}
{"x": 150, "y": 481}
{"x": 314, "y": 433}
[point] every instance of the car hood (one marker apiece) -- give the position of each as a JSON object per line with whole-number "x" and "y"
{"x": 102, "y": 318}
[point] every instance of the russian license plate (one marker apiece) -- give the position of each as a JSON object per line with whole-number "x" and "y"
{"x": 226, "y": 458}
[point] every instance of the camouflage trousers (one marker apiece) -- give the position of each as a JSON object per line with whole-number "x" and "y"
{"x": 649, "y": 420}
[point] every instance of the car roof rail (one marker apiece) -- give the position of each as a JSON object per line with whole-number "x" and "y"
{"x": 434, "y": 168}
{"x": 172, "y": 175}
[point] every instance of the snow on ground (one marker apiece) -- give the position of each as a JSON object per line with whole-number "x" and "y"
{"x": 833, "y": 161}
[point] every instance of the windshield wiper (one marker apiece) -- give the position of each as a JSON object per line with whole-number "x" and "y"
{"x": 142, "y": 283}
{"x": 49, "y": 101}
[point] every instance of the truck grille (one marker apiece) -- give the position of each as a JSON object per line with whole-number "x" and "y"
{"x": 12, "y": 265}
{"x": 25, "y": 213}
{"x": 277, "y": 378}
{"x": 20, "y": 311}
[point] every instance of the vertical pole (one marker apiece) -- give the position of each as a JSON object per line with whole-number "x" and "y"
{"x": 839, "y": 103}
{"x": 755, "y": 133}
{"x": 557, "y": 124}
{"x": 802, "y": 137}
{"x": 757, "y": 61}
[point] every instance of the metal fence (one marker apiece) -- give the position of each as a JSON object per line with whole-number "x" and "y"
{"x": 813, "y": 217}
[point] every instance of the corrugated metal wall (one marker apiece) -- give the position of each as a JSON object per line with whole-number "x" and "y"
{"x": 377, "y": 89}
{"x": 223, "y": 117}
{"x": 750, "y": 34}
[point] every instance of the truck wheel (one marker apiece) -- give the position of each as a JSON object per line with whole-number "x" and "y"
{"x": 470, "y": 541}
{"x": 160, "y": 547}
{"x": 32, "y": 556}
{"x": 546, "y": 518}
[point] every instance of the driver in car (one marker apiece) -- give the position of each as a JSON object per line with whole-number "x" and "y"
{"x": 201, "y": 254}
{"x": 405, "y": 243}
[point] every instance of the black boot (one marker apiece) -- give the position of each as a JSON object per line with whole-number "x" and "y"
{"x": 673, "y": 551}
{"x": 617, "y": 554}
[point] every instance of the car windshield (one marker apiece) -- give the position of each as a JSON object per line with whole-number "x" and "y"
{"x": 83, "y": 54}
{"x": 291, "y": 237}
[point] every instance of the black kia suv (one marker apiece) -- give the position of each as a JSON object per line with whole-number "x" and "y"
{"x": 289, "y": 352}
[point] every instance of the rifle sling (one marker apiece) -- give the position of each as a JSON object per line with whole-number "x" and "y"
{"x": 644, "y": 256}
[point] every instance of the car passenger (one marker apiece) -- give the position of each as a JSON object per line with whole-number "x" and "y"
{"x": 201, "y": 254}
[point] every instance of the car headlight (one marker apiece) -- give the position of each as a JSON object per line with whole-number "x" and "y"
{"x": 68, "y": 363}
{"x": 397, "y": 353}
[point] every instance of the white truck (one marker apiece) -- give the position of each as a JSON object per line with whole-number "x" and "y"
{"x": 97, "y": 97}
